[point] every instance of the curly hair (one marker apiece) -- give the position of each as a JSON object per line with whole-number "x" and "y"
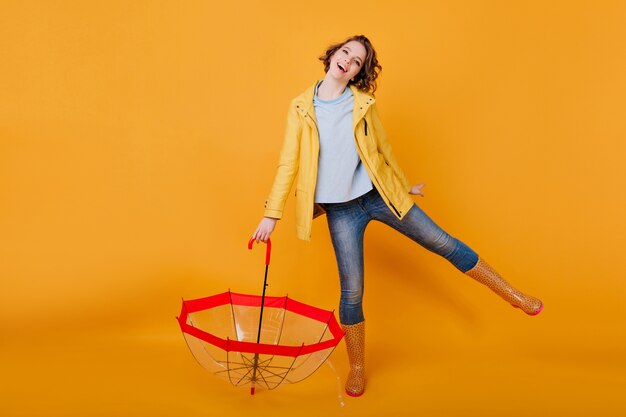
{"x": 365, "y": 80}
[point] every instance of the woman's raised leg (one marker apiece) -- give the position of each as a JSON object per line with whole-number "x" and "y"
{"x": 419, "y": 227}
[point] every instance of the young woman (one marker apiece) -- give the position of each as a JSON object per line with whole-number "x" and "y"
{"x": 337, "y": 146}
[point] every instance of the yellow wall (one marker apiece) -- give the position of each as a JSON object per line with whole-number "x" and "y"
{"x": 138, "y": 140}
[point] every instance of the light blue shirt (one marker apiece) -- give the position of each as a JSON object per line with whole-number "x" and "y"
{"x": 340, "y": 174}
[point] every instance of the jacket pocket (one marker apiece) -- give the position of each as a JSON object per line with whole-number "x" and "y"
{"x": 302, "y": 211}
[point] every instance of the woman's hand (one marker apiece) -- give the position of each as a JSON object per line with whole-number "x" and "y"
{"x": 265, "y": 229}
{"x": 417, "y": 189}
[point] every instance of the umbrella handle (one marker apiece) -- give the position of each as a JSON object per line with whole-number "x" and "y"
{"x": 268, "y": 251}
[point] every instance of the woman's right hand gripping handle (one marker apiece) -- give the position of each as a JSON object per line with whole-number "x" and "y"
{"x": 265, "y": 229}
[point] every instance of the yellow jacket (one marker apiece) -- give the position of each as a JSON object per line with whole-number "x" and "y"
{"x": 299, "y": 155}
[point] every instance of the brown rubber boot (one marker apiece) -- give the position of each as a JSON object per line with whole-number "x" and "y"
{"x": 486, "y": 275}
{"x": 355, "y": 342}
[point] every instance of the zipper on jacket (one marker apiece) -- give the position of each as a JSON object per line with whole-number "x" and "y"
{"x": 365, "y": 121}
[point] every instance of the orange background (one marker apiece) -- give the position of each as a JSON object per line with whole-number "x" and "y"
{"x": 138, "y": 141}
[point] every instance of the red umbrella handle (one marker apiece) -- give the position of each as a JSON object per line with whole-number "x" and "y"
{"x": 268, "y": 251}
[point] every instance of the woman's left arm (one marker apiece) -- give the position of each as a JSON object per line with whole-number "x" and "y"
{"x": 385, "y": 148}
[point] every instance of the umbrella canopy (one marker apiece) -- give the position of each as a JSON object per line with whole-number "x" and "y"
{"x": 258, "y": 341}
{"x": 221, "y": 332}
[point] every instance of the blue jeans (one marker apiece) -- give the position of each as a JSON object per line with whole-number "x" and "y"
{"x": 347, "y": 222}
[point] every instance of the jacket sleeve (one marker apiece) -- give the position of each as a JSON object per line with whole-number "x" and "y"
{"x": 287, "y": 166}
{"x": 385, "y": 148}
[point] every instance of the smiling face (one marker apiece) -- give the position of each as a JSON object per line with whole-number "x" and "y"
{"x": 348, "y": 60}
{"x": 354, "y": 62}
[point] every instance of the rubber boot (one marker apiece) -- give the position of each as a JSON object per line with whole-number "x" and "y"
{"x": 355, "y": 343}
{"x": 486, "y": 275}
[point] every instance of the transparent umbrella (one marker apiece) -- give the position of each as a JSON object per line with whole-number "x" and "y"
{"x": 258, "y": 341}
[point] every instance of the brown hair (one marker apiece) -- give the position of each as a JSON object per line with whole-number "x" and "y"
{"x": 365, "y": 80}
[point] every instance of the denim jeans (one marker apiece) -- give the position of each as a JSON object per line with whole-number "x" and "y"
{"x": 347, "y": 222}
